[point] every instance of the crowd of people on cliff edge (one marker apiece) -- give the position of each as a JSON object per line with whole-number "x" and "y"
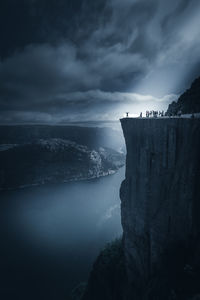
{"x": 156, "y": 114}
{"x": 153, "y": 114}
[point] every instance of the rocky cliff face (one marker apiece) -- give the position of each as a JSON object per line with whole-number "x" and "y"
{"x": 160, "y": 205}
{"x": 160, "y": 210}
{"x": 188, "y": 102}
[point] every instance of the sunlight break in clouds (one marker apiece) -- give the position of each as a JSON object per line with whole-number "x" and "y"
{"x": 95, "y": 59}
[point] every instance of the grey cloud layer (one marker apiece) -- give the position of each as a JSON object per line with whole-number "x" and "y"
{"x": 93, "y": 105}
{"x": 101, "y": 55}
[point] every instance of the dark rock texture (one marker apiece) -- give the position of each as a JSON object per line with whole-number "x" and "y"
{"x": 188, "y": 102}
{"x": 160, "y": 206}
{"x": 108, "y": 277}
{"x": 160, "y": 209}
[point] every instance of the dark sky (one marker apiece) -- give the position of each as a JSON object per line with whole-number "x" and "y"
{"x": 69, "y": 60}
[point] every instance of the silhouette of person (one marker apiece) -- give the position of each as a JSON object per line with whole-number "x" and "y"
{"x": 179, "y": 113}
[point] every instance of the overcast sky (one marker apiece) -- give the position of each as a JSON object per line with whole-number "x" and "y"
{"x": 67, "y": 60}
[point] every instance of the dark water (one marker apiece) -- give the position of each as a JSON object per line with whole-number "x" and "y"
{"x": 50, "y": 235}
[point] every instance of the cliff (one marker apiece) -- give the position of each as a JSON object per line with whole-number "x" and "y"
{"x": 160, "y": 211}
{"x": 160, "y": 195}
{"x": 108, "y": 276}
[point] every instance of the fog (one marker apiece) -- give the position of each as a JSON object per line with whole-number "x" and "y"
{"x": 53, "y": 233}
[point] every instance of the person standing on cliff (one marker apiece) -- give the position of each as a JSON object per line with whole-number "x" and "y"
{"x": 179, "y": 113}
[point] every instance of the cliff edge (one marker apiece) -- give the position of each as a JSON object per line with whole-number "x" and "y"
{"x": 160, "y": 195}
{"x": 158, "y": 257}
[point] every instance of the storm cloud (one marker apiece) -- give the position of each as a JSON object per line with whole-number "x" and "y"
{"x": 65, "y": 61}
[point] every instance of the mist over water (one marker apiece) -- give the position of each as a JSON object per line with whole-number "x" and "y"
{"x": 53, "y": 233}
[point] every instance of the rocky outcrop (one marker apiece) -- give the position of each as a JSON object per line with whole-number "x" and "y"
{"x": 108, "y": 276}
{"x": 188, "y": 102}
{"x": 160, "y": 195}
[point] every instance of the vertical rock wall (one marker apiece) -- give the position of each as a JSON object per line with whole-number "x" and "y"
{"x": 160, "y": 202}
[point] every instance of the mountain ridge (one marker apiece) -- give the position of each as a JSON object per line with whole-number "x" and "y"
{"x": 188, "y": 102}
{"x": 54, "y": 160}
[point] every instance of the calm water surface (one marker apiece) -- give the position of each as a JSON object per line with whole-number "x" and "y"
{"x": 50, "y": 235}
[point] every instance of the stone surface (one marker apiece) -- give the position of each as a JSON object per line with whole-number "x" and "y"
{"x": 188, "y": 102}
{"x": 160, "y": 194}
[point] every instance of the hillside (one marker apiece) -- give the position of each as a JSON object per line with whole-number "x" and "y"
{"x": 188, "y": 102}
{"x": 92, "y": 137}
{"x": 54, "y": 160}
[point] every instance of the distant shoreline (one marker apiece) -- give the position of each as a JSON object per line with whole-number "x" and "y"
{"x": 109, "y": 173}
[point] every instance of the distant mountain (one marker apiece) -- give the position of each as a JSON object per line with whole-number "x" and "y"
{"x": 54, "y": 160}
{"x": 92, "y": 137}
{"x": 188, "y": 102}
